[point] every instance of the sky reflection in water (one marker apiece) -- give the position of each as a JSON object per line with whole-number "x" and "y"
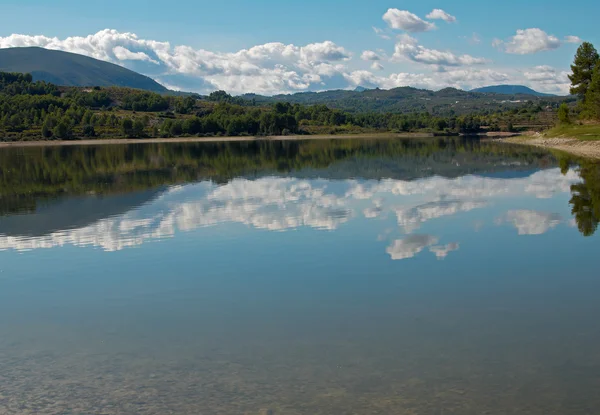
{"x": 281, "y": 204}
{"x": 448, "y": 276}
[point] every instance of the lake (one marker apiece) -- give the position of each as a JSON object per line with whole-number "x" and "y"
{"x": 433, "y": 276}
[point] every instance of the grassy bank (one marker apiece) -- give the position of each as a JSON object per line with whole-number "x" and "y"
{"x": 587, "y": 132}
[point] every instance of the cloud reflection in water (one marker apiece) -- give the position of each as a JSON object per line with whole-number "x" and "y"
{"x": 282, "y": 203}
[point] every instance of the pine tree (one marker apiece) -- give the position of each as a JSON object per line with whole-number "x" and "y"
{"x": 46, "y": 129}
{"x": 63, "y": 129}
{"x": 586, "y": 59}
{"x": 563, "y": 114}
{"x": 88, "y": 130}
{"x": 87, "y": 117}
{"x": 127, "y": 127}
{"x": 592, "y": 97}
{"x": 138, "y": 128}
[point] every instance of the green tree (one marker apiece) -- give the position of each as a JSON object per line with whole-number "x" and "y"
{"x": 586, "y": 59}
{"x": 184, "y": 105}
{"x": 89, "y": 131}
{"x": 563, "y": 114}
{"x": 127, "y": 127}
{"x": 176, "y": 129}
{"x": 592, "y": 97}
{"x": 220, "y": 96}
{"x": 46, "y": 130}
{"x": 165, "y": 128}
{"x": 63, "y": 129}
{"x": 192, "y": 126}
{"x": 87, "y": 117}
{"x": 283, "y": 107}
{"x": 138, "y": 128}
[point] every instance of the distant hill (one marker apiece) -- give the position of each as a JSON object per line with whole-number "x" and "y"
{"x": 510, "y": 90}
{"x": 447, "y": 101}
{"x": 70, "y": 69}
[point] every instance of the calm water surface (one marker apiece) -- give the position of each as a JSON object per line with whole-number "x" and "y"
{"x": 325, "y": 277}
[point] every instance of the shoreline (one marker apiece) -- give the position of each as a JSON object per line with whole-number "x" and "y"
{"x": 113, "y": 141}
{"x": 587, "y": 149}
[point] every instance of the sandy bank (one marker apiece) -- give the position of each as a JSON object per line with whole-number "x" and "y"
{"x": 590, "y": 149}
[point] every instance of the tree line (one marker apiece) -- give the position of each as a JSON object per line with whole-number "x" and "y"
{"x": 38, "y": 110}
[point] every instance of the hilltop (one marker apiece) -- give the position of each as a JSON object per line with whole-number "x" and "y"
{"x": 511, "y": 90}
{"x": 70, "y": 69}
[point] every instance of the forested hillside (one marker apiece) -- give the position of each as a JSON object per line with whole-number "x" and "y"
{"x": 446, "y": 102}
{"x": 35, "y": 110}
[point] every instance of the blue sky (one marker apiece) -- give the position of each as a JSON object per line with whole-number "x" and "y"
{"x": 315, "y": 45}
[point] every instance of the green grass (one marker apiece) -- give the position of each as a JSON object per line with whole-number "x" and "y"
{"x": 587, "y": 132}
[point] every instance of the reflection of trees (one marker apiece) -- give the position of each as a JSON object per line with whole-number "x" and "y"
{"x": 585, "y": 200}
{"x": 585, "y": 196}
{"x": 29, "y": 175}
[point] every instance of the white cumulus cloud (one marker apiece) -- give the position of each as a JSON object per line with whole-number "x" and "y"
{"x": 369, "y": 55}
{"x": 440, "y": 14}
{"x": 527, "y": 41}
{"x": 405, "y": 20}
{"x": 548, "y": 78}
{"x": 124, "y": 54}
{"x": 573, "y": 39}
{"x": 407, "y": 48}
